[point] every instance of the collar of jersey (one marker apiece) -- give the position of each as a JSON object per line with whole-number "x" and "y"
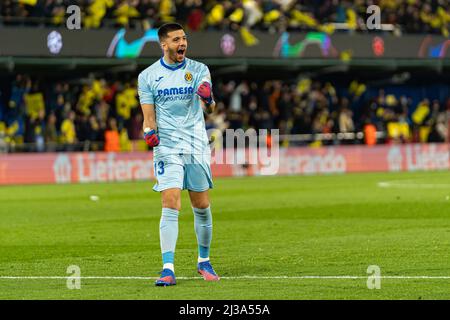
{"x": 181, "y": 65}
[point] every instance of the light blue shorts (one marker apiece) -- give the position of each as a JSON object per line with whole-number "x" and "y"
{"x": 183, "y": 171}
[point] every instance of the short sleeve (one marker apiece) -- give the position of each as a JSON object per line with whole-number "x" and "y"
{"x": 205, "y": 76}
{"x": 144, "y": 91}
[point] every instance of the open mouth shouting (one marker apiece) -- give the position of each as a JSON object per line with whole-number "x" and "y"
{"x": 180, "y": 54}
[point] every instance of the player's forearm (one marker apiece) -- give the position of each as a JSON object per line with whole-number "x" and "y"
{"x": 148, "y": 110}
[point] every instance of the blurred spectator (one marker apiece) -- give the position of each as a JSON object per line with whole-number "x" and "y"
{"x": 112, "y": 139}
{"x": 50, "y": 133}
{"x": 285, "y": 108}
{"x": 39, "y": 131}
{"x": 126, "y": 101}
{"x": 370, "y": 134}
{"x": 135, "y": 132}
{"x": 301, "y": 121}
{"x": 82, "y": 127}
{"x": 94, "y": 133}
{"x": 345, "y": 118}
{"x": 194, "y": 15}
{"x": 16, "y": 105}
{"x": 236, "y": 97}
{"x": 95, "y": 12}
{"x": 68, "y": 132}
{"x": 3, "y": 138}
{"x": 439, "y": 129}
{"x": 125, "y": 10}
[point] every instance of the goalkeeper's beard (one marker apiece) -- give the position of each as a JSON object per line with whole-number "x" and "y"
{"x": 175, "y": 57}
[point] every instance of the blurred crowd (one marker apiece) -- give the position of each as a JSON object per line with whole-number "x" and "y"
{"x": 89, "y": 115}
{"x": 99, "y": 114}
{"x": 410, "y": 16}
{"x": 311, "y": 108}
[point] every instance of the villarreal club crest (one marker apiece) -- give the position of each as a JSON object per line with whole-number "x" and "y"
{"x": 188, "y": 77}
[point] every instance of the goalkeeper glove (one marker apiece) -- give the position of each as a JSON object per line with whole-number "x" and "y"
{"x": 151, "y": 138}
{"x": 204, "y": 92}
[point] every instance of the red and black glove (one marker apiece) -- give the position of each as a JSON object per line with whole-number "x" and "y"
{"x": 204, "y": 92}
{"x": 151, "y": 138}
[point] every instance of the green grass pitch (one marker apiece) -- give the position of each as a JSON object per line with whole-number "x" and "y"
{"x": 265, "y": 227}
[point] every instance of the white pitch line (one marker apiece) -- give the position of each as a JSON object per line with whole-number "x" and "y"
{"x": 225, "y": 277}
{"x": 411, "y": 185}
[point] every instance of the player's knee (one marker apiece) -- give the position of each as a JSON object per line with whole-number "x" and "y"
{"x": 171, "y": 199}
{"x": 199, "y": 200}
{"x": 172, "y": 205}
{"x": 200, "y": 204}
{"x": 171, "y": 202}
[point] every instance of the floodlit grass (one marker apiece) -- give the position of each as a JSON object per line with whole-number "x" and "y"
{"x": 265, "y": 227}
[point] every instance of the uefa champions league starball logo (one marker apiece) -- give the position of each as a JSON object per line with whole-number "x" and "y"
{"x": 54, "y": 42}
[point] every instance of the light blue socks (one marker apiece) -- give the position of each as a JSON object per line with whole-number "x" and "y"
{"x": 168, "y": 234}
{"x": 203, "y": 230}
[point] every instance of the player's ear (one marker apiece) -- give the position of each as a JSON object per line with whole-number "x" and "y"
{"x": 162, "y": 44}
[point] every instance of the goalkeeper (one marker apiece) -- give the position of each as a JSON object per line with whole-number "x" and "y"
{"x": 174, "y": 93}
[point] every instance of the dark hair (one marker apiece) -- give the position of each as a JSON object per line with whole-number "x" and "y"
{"x": 166, "y": 28}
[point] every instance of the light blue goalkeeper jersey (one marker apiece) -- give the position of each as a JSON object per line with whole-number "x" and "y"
{"x": 179, "y": 115}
